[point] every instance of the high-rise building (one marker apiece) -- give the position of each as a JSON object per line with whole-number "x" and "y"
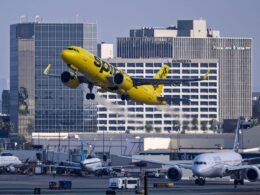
{"x": 43, "y": 104}
{"x": 197, "y": 114}
{"x": 6, "y": 102}
{"x": 191, "y": 39}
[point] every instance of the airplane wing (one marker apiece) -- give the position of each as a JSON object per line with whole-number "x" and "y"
{"x": 251, "y": 161}
{"x": 114, "y": 167}
{"x": 170, "y": 99}
{"x": 240, "y": 167}
{"x": 82, "y": 79}
{"x": 159, "y": 81}
{"x": 182, "y": 165}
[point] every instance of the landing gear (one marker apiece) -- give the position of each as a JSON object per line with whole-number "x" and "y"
{"x": 124, "y": 97}
{"x": 200, "y": 181}
{"x": 238, "y": 181}
{"x": 90, "y": 95}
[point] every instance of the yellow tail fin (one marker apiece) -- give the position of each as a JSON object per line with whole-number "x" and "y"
{"x": 162, "y": 74}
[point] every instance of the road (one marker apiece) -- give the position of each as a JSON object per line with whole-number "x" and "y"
{"x": 24, "y": 184}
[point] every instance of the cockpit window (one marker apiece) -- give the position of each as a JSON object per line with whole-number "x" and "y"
{"x": 73, "y": 49}
{"x": 200, "y": 163}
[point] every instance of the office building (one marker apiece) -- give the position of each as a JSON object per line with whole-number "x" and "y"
{"x": 191, "y": 39}
{"x": 105, "y": 50}
{"x": 132, "y": 116}
{"x": 6, "y": 102}
{"x": 43, "y": 104}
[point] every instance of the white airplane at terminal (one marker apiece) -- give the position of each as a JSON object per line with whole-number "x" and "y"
{"x": 90, "y": 165}
{"x": 217, "y": 164}
{"x": 9, "y": 162}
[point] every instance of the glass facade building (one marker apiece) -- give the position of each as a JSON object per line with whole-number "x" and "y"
{"x": 129, "y": 115}
{"x": 40, "y": 103}
{"x": 233, "y": 54}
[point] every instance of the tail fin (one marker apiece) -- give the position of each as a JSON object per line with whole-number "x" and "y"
{"x": 162, "y": 74}
{"x": 236, "y": 141}
{"x": 82, "y": 152}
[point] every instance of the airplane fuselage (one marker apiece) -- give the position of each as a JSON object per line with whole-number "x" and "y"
{"x": 98, "y": 72}
{"x": 9, "y": 160}
{"x": 91, "y": 164}
{"x": 215, "y": 164}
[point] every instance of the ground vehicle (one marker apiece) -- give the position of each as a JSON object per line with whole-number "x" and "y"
{"x": 124, "y": 183}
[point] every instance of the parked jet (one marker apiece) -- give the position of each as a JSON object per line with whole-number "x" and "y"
{"x": 217, "y": 164}
{"x": 97, "y": 72}
{"x": 90, "y": 165}
{"x": 9, "y": 162}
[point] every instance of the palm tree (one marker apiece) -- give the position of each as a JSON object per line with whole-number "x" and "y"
{"x": 148, "y": 127}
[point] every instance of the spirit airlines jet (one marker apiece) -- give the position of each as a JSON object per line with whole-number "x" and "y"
{"x": 97, "y": 72}
{"x": 9, "y": 162}
{"x": 217, "y": 164}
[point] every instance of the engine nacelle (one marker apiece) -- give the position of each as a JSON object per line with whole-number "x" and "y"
{"x": 10, "y": 169}
{"x": 70, "y": 79}
{"x": 252, "y": 174}
{"x": 123, "y": 81}
{"x": 174, "y": 173}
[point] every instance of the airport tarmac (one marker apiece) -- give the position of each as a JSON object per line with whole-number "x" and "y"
{"x": 90, "y": 185}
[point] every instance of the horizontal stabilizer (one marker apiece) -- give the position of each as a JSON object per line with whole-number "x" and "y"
{"x": 171, "y": 100}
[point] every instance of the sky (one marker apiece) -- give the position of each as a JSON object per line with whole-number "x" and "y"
{"x": 234, "y": 18}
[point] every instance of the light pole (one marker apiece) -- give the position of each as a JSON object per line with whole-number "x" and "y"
{"x": 104, "y": 158}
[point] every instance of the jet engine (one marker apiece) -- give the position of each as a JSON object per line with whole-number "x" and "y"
{"x": 123, "y": 81}
{"x": 252, "y": 174}
{"x": 10, "y": 169}
{"x": 174, "y": 173}
{"x": 70, "y": 79}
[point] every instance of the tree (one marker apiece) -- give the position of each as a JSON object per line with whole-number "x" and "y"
{"x": 213, "y": 124}
{"x": 194, "y": 123}
{"x": 158, "y": 130}
{"x": 176, "y": 125}
{"x": 148, "y": 127}
{"x": 204, "y": 125}
{"x": 185, "y": 125}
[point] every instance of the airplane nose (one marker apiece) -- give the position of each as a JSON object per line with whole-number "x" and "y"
{"x": 197, "y": 171}
{"x": 67, "y": 56}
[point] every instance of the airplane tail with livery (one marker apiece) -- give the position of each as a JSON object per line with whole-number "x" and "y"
{"x": 161, "y": 74}
{"x": 82, "y": 152}
{"x": 237, "y": 135}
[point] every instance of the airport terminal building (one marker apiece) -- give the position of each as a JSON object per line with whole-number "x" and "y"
{"x": 43, "y": 104}
{"x": 191, "y": 39}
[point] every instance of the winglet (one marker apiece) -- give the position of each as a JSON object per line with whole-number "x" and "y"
{"x": 206, "y": 76}
{"x": 47, "y": 69}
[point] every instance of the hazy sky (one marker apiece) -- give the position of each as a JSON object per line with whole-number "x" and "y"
{"x": 238, "y": 18}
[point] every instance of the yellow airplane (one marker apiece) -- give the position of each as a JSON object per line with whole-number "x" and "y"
{"x": 100, "y": 73}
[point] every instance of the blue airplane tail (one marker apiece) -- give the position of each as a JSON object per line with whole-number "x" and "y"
{"x": 82, "y": 152}
{"x": 236, "y": 141}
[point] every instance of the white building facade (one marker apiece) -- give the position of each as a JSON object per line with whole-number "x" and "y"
{"x": 117, "y": 115}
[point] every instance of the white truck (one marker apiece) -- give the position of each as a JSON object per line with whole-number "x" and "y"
{"x": 124, "y": 183}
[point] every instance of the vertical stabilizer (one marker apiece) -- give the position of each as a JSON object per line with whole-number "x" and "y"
{"x": 236, "y": 141}
{"x": 82, "y": 152}
{"x": 161, "y": 74}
